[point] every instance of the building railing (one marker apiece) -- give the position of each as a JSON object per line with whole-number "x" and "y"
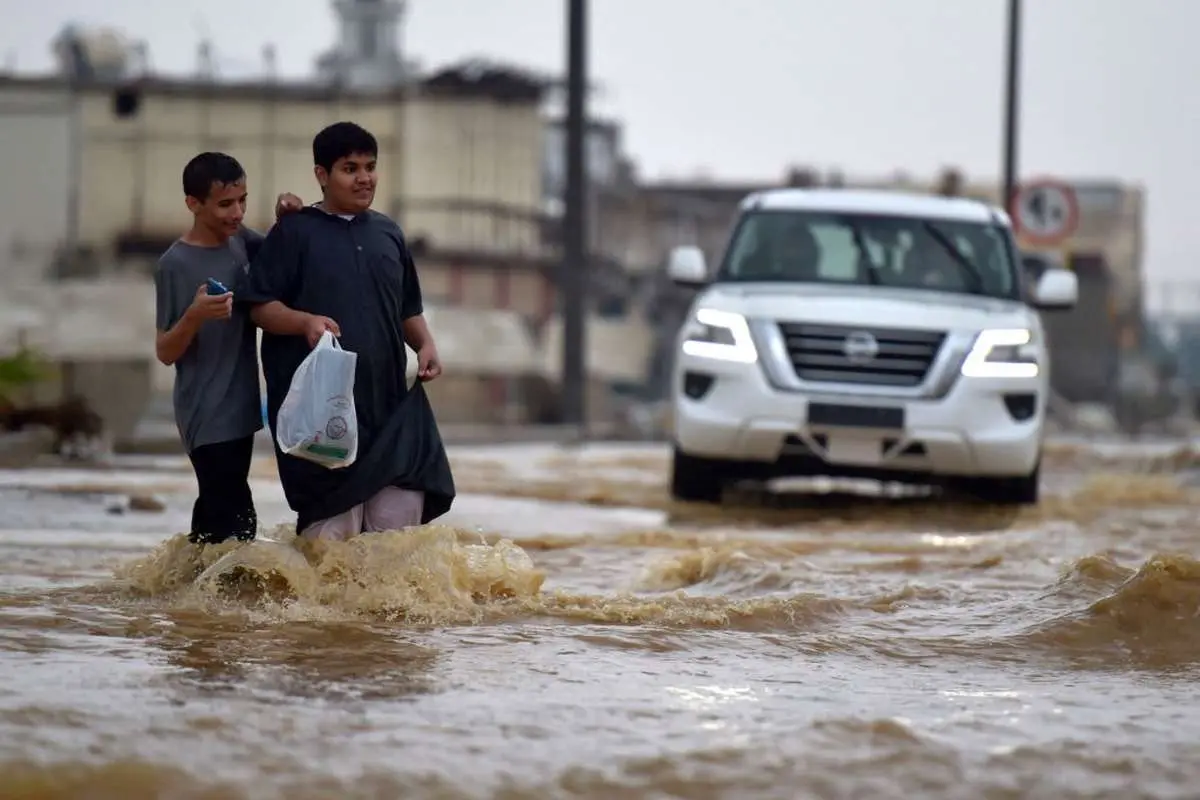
{"x": 468, "y": 225}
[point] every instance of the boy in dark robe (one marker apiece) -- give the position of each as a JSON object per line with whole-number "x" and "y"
{"x": 341, "y": 267}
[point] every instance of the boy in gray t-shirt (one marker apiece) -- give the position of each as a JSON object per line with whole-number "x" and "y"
{"x": 213, "y": 346}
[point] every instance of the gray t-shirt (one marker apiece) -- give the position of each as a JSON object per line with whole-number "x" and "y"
{"x": 216, "y": 381}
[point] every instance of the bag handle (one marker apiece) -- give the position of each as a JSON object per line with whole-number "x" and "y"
{"x": 328, "y": 341}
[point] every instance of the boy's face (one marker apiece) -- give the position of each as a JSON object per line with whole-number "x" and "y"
{"x": 224, "y": 208}
{"x": 350, "y": 185}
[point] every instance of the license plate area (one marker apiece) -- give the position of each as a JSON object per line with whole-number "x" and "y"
{"x": 847, "y": 416}
{"x": 853, "y": 450}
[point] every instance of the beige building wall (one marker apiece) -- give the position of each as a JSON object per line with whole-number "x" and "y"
{"x": 523, "y": 288}
{"x": 641, "y": 231}
{"x": 466, "y": 158}
{"x": 35, "y": 163}
{"x": 132, "y": 167}
{"x": 456, "y": 159}
{"x": 435, "y": 153}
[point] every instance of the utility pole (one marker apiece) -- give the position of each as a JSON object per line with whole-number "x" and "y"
{"x": 573, "y": 278}
{"x": 1012, "y": 91}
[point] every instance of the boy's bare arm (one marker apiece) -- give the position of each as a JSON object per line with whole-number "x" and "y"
{"x": 417, "y": 335}
{"x": 275, "y": 317}
{"x": 416, "y": 332}
{"x": 171, "y": 344}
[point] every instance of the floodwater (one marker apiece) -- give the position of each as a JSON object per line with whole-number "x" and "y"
{"x": 569, "y": 633}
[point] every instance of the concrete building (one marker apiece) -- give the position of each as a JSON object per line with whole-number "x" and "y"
{"x": 35, "y": 124}
{"x": 93, "y": 189}
{"x": 461, "y": 167}
{"x": 455, "y": 152}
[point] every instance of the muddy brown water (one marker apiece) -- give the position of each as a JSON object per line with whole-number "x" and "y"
{"x": 568, "y": 632}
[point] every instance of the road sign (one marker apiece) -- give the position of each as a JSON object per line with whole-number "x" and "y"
{"x": 1045, "y": 212}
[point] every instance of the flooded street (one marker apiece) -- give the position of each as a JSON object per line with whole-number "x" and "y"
{"x": 568, "y": 632}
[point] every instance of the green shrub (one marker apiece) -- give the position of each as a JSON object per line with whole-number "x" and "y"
{"x": 21, "y": 369}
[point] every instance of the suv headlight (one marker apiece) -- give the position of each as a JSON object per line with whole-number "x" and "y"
{"x": 720, "y": 335}
{"x": 1002, "y": 353}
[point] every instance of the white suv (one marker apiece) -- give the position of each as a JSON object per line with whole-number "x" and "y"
{"x": 865, "y": 334}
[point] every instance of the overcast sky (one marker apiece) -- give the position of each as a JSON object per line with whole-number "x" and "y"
{"x": 741, "y": 88}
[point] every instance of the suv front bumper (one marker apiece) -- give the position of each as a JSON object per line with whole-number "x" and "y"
{"x": 972, "y": 427}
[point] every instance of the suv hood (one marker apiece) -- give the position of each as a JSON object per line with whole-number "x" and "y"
{"x": 876, "y": 306}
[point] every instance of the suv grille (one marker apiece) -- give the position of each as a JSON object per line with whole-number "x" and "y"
{"x": 820, "y": 353}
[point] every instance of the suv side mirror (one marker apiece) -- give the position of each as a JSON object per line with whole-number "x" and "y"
{"x": 1057, "y": 289}
{"x": 686, "y": 266}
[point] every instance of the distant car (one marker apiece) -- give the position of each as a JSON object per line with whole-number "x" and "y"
{"x": 866, "y": 334}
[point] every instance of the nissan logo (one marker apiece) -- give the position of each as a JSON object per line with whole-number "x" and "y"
{"x": 860, "y": 347}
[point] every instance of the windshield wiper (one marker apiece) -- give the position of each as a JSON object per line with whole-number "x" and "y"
{"x": 864, "y": 255}
{"x": 974, "y": 278}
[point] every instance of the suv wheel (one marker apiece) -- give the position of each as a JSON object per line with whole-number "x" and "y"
{"x": 1023, "y": 491}
{"x": 696, "y": 480}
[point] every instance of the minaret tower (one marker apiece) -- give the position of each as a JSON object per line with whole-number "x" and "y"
{"x": 367, "y": 54}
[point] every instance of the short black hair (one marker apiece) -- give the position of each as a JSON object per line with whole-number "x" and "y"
{"x": 208, "y": 168}
{"x": 340, "y": 140}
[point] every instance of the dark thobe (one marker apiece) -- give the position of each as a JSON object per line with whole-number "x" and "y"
{"x": 359, "y": 273}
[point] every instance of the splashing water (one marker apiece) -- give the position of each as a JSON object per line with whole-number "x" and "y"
{"x": 422, "y": 576}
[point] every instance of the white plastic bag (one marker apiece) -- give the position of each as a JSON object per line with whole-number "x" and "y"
{"x": 317, "y": 420}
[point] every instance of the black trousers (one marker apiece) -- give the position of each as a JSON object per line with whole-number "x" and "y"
{"x": 224, "y": 508}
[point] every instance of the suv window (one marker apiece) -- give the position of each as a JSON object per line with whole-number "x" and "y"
{"x": 868, "y": 249}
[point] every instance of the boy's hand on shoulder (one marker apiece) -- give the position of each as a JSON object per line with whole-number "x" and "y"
{"x": 287, "y": 203}
{"x": 206, "y": 307}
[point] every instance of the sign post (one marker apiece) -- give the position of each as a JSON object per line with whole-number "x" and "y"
{"x": 1045, "y": 213}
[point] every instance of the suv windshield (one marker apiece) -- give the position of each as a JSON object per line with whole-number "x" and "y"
{"x": 868, "y": 249}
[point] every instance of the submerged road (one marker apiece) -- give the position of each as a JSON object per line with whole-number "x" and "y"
{"x": 569, "y": 632}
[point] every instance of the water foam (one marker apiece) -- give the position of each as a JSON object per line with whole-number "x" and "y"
{"x": 424, "y": 575}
